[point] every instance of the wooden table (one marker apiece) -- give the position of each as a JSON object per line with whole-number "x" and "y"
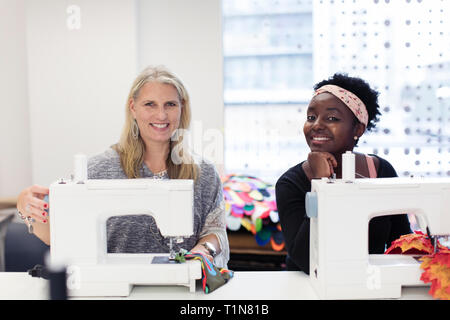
{"x": 8, "y": 203}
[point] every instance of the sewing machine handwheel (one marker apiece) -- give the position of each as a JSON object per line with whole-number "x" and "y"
{"x": 311, "y": 204}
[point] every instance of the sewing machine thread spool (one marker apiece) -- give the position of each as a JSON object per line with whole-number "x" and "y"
{"x": 80, "y": 168}
{"x": 348, "y": 166}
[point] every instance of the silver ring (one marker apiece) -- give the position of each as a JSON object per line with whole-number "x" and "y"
{"x": 27, "y": 207}
{"x": 21, "y": 215}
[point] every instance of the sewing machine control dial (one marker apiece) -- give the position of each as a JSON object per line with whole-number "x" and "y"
{"x": 311, "y": 204}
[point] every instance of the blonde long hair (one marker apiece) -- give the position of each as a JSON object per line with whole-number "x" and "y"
{"x": 132, "y": 150}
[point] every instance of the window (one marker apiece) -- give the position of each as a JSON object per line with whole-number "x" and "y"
{"x": 274, "y": 52}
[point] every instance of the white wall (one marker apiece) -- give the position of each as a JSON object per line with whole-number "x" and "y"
{"x": 65, "y": 75}
{"x": 81, "y": 65}
{"x": 186, "y": 36}
{"x": 15, "y": 163}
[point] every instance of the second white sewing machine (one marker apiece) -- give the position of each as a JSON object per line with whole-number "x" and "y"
{"x": 79, "y": 210}
{"x": 340, "y": 210}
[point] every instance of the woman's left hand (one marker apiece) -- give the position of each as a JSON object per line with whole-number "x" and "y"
{"x": 322, "y": 164}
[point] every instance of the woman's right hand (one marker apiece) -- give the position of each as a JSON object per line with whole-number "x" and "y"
{"x": 31, "y": 204}
{"x": 321, "y": 164}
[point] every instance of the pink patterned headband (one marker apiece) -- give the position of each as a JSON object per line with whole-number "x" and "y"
{"x": 349, "y": 99}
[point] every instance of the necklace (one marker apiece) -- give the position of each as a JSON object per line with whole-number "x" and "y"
{"x": 160, "y": 175}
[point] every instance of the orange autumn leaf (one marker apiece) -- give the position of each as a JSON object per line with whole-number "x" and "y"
{"x": 437, "y": 272}
{"x": 436, "y": 266}
{"x": 413, "y": 243}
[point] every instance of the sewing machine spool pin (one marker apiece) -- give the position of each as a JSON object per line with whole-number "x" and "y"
{"x": 80, "y": 169}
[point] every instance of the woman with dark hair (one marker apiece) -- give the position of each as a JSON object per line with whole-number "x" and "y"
{"x": 339, "y": 113}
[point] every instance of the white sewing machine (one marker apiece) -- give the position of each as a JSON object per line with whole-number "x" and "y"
{"x": 79, "y": 210}
{"x": 340, "y": 211}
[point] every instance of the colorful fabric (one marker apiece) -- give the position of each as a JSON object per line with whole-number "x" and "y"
{"x": 212, "y": 276}
{"x": 250, "y": 203}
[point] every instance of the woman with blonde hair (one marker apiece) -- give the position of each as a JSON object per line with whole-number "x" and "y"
{"x": 151, "y": 146}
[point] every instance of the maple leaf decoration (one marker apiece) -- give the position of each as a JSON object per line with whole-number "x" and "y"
{"x": 437, "y": 271}
{"x": 436, "y": 266}
{"x": 412, "y": 243}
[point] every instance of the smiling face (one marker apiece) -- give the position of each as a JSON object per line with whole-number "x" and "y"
{"x": 157, "y": 110}
{"x": 330, "y": 125}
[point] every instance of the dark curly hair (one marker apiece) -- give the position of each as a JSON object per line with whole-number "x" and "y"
{"x": 361, "y": 89}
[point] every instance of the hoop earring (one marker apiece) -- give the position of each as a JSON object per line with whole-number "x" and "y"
{"x": 135, "y": 130}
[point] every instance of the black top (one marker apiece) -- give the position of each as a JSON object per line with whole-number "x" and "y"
{"x": 291, "y": 189}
